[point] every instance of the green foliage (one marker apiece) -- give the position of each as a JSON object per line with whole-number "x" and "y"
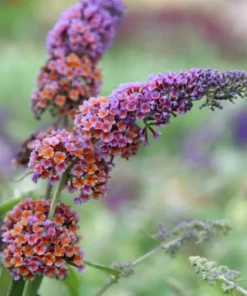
{"x": 6, "y": 282}
{"x": 72, "y": 282}
{"x": 7, "y": 206}
{"x": 17, "y": 288}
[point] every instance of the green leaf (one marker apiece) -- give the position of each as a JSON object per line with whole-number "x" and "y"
{"x": 7, "y": 206}
{"x": 109, "y": 270}
{"x": 6, "y": 282}
{"x": 17, "y": 288}
{"x": 72, "y": 282}
{"x": 36, "y": 284}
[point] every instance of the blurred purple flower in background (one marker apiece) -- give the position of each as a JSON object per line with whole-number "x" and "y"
{"x": 239, "y": 129}
{"x": 122, "y": 190}
{"x": 7, "y": 146}
{"x": 198, "y": 146}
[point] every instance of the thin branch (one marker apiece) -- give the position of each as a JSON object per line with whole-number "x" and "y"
{"x": 171, "y": 247}
{"x": 112, "y": 281}
{"x": 147, "y": 255}
{"x": 56, "y": 196}
{"x": 236, "y": 287}
{"x": 48, "y": 191}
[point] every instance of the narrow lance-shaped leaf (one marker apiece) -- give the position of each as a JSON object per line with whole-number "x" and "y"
{"x": 113, "y": 271}
{"x": 6, "y": 282}
{"x": 72, "y": 282}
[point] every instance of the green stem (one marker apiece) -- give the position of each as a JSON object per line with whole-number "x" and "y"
{"x": 56, "y": 195}
{"x": 236, "y": 287}
{"x": 48, "y": 191}
{"x": 27, "y": 289}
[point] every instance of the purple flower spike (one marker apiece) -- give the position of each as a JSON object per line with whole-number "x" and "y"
{"x": 87, "y": 28}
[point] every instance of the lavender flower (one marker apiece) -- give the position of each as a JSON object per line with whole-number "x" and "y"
{"x": 198, "y": 146}
{"x": 239, "y": 129}
{"x": 87, "y": 28}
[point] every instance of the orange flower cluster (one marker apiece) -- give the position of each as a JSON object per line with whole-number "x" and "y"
{"x": 34, "y": 245}
{"x": 63, "y": 151}
{"x": 64, "y": 83}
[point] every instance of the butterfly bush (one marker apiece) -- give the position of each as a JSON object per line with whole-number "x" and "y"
{"x": 81, "y": 158}
{"x": 34, "y": 245}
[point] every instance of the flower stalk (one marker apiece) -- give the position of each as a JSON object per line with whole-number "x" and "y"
{"x": 56, "y": 196}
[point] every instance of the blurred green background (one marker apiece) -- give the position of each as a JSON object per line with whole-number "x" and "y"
{"x": 196, "y": 171}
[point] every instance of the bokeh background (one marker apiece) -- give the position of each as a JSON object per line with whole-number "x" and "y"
{"x": 196, "y": 171}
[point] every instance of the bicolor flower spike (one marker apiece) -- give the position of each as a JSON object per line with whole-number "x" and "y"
{"x": 112, "y": 121}
{"x": 88, "y": 28}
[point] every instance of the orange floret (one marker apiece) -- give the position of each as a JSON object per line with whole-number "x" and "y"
{"x": 60, "y": 100}
{"x": 48, "y": 153}
{"x": 48, "y": 259}
{"x": 17, "y": 229}
{"x": 58, "y": 251}
{"x": 59, "y": 157}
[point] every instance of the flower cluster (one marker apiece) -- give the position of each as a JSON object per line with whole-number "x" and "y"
{"x": 64, "y": 152}
{"x": 112, "y": 124}
{"x": 22, "y": 157}
{"x": 87, "y": 28}
{"x": 34, "y": 245}
{"x": 63, "y": 84}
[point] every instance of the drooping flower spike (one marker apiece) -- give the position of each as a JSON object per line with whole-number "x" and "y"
{"x": 112, "y": 121}
{"x": 63, "y": 151}
{"x": 34, "y": 245}
{"x": 88, "y": 28}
